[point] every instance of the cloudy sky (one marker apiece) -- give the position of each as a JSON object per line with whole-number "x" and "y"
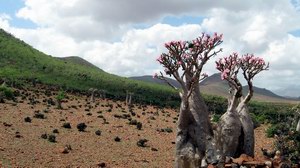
{"x": 124, "y": 37}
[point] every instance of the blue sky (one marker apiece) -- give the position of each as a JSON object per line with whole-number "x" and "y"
{"x": 135, "y": 35}
{"x": 11, "y": 7}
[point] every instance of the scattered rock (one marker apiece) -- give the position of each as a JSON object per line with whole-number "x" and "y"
{"x": 98, "y": 132}
{"x": 101, "y": 165}
{"x": 52, "y": 138}
{"x": 44, "y": 136}
{"x": 27, "y": 119}
{"x": 55, "y": 131}
{"x": 133, "y": 122}
{"x": 7, "y": 125}
{"x": 39, "y": 115}
{"x": 66, "y": 149}
{"x": 117, "y": 139}
{"x": 67, "y": 125}
{"x": 18, "y": 135}
{"x": 142, "y": 142}
{"x": 139, "y": 125}
{"x": 154, "y": 149}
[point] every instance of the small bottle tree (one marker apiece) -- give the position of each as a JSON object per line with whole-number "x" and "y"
{"x": 184, "y": 61}
{"x": 236, "y": 121}
{"x": 296, "y": 109}
{"x": 92, "y": 92}
{"x": 60, "y": 96}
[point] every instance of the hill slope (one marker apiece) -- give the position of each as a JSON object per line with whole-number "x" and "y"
{"x": 79, "y": 61}
{"x": 19, "y": 60}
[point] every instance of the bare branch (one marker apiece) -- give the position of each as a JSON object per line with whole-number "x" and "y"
{"x": 161, "y": 77}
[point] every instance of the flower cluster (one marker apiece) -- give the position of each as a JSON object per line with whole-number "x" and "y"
{"x": 228, "y": 66}
{"x": 251, "y": 65}
{"x": 250, "y": 61}
{"x": 189, "y": 55}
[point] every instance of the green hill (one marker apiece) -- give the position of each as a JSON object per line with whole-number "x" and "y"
{"x": 19, "y": 61}
{"x": 79, "y": 61}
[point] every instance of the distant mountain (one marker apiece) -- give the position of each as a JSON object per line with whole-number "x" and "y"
{"x": 213, "y": 85}
{"x": 291, "y": 92}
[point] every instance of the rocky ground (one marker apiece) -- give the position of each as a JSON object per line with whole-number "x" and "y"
{"x": 34, "y": 133}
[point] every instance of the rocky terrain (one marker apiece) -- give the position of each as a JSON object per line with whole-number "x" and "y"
{"x": 104, "y": 133}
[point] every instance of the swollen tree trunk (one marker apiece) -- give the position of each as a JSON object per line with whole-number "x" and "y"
{"x": 126, "y": 98}
{"x": 247, "y": 128}
{"x": 92, "y": 91}
{"x": 298, "y": 126}
{"x": 129, "y": 101}
{"x": 92, "y": 99}
{"x": 193, "y": 131}
{"x": 229, "y": 131}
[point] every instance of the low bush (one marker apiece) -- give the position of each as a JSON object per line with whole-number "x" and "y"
{"x": 81, "y": 127}
{"x": 6, "y": 92}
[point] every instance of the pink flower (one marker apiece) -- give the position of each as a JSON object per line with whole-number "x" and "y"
{"x": 179, "y": 63}
{"x": 167, "y": 44}
{"x": 225, "y": 74}
{"x": 159, "y": 59}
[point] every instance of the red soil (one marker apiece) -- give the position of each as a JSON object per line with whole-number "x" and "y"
{"x": 88, "y": 149}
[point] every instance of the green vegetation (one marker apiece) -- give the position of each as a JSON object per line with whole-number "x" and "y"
{"x": 60, "y": 96}
{"x": 6, "y": 92}
{"x": 20, "y": 62}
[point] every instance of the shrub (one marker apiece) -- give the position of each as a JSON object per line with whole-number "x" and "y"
{"x": 55, "y": 131}
{"x": 44, "y": 136}
{"x": 67, "y": 125}
{"x": 256, "y": 120}
{"x": 133, "y": 122}
{"x": 81, "y": 127}
{"x": 52, "y": 138}
{"x": 27, "y": 119}
{"x": 289, "y": 146}
{"x": 6, "y": 92}
{"x": 215, "y": 118}
{"x": 142, "y": 142}
{"x": 278, "y": 129}
{"x": 39, "y": 115}
{"x": 139, "y": 125}
{"x": 60, "y": 96}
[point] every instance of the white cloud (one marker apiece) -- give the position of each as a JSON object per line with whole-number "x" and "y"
{"x": 4, "y": 20}
{"x": 102, "y": 32}
{"x": 138, "y": 49}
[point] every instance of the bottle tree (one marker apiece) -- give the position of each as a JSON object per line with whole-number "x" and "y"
{"x": 235, "y": 133}
{"x": 296, "y": 109}
{"x": 184, "y": 60}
